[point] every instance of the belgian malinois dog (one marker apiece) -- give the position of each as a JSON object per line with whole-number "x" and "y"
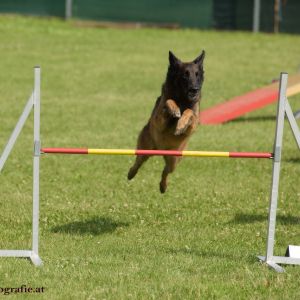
{"x": 175, "y": 114}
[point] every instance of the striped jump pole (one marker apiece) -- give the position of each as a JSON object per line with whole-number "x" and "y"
{"x": 156, "y": 152}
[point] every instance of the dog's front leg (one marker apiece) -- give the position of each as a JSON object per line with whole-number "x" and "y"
{"x": 185, "y": 122}
{"x": 163, "y": 113}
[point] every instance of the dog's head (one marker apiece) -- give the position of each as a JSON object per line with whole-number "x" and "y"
{"x": 186, "y": 77}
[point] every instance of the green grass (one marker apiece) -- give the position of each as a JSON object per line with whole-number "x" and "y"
{"x": 102, "y": 237}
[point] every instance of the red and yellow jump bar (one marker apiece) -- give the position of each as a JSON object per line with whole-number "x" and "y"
{"x": 157, "y": 152}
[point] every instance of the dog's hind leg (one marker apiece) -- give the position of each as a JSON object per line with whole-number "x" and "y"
{"x": 144, "y": 142}
{"x": 171, "y": 162}
{"x": 138, "y": 163}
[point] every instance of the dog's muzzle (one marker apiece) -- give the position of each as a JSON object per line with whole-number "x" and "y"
{"x": 193, "y": 93}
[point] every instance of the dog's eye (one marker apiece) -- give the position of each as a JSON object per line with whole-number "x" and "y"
{"x": 187, "y": 74}
{"x": 197, "y": 74}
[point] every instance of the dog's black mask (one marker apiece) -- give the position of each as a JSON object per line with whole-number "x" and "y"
{"x": 186, "y": 78}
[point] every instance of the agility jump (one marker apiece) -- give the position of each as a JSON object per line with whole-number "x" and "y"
{"x": 283, "y": 109}
{"x": 156, "y": 152}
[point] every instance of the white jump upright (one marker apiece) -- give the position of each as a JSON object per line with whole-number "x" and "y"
{"x": 283, "y": 109}
{"x": 33, "y": 103}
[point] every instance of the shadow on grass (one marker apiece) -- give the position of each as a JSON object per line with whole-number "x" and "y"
{"x": 252, "y": 218}
{"x": 293, "y": 160}
{"x": 201, "y": 253}
{"x": 94, "y": 226}
{"x": 253, "y": 119}
{"x": 208, "y": 254}
{"x": 217, "y": 255}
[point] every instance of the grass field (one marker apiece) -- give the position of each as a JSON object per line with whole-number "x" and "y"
{"x": 102, "y": 237}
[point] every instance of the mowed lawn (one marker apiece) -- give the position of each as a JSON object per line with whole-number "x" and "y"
{"x": 102, "y": 237}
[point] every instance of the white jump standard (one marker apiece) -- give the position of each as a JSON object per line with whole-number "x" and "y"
{"x": 283, "y": 110}
{"x": 33, "y": 102}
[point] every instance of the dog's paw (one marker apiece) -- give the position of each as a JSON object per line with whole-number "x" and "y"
{"x": 173, "y": 109}
{"x": 132, "y": 172}
{"x": 175, "y": 113}
{"x": 162, "y": 187}
{"x": 182, "y": 126}
{"x": 180, "y": 131}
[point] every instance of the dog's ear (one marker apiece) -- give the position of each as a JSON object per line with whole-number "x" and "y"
{"x": 199, "y": 59}
{"x": 174, "y": 61}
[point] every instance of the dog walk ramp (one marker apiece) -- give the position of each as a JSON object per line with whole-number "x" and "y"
{"x": 248, "y": 102}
